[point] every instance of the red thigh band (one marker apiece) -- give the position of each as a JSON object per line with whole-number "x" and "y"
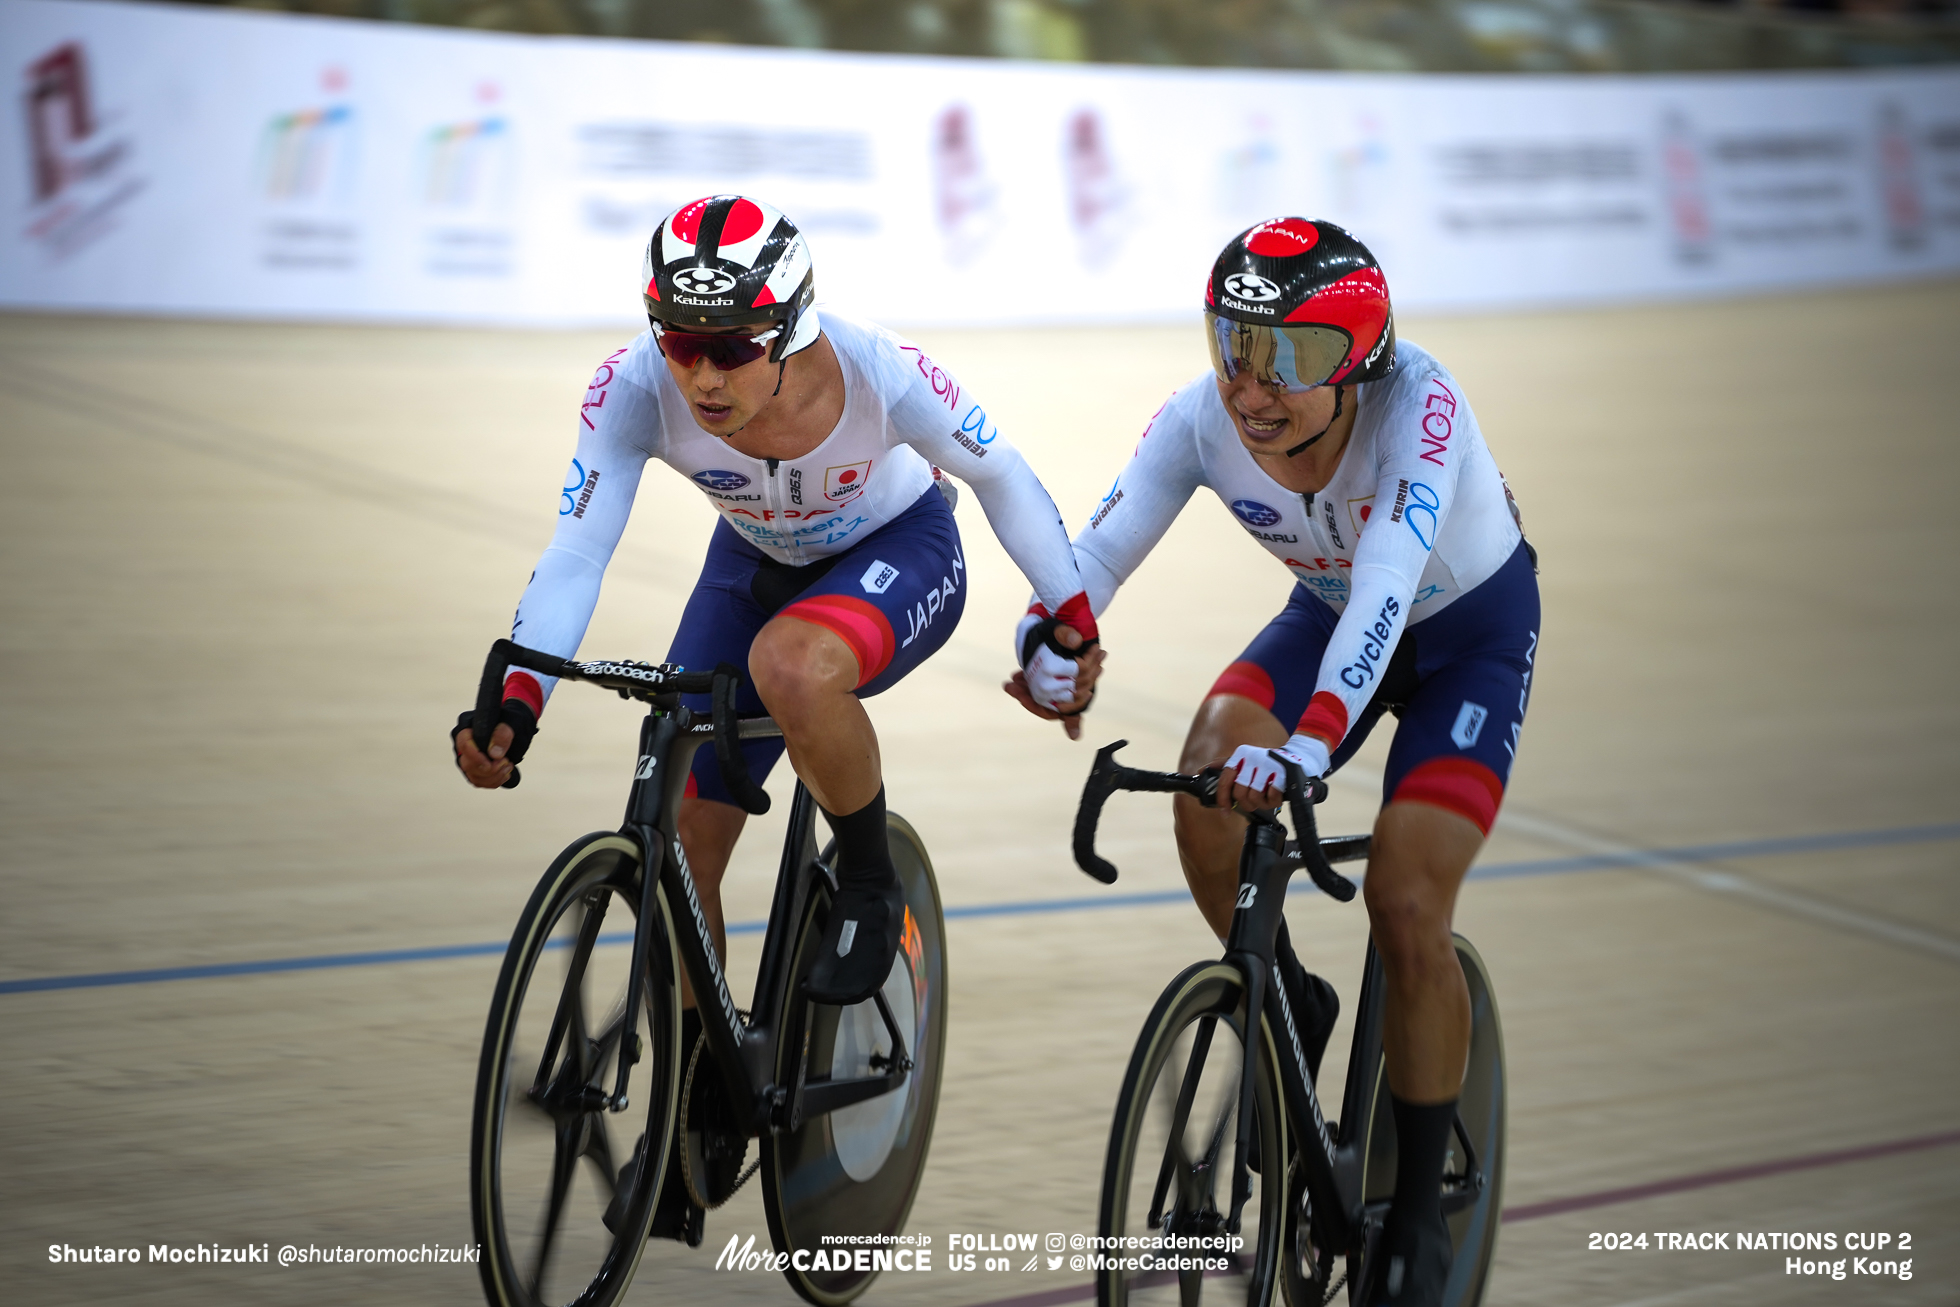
{"x": 1460, "y": 785}
{"x": 1248, "y": 681}
{"x": 858, "y": 624}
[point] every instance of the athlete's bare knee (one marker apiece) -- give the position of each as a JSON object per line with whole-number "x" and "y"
{"x": 1396, "y": 914}
{"x": 1409, "y": 918}
{"x": 794, "y": 662}
{"x": 1206, "y": 837}
{"x": 1224, "y": 722}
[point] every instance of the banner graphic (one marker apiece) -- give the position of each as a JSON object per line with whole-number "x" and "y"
{"x": 194, "y": 161}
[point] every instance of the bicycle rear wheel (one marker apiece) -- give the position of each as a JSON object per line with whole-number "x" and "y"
{"x": 546, "y": 1151}
{"x": 1166, "y": 1195}
{"x": 1473, "y": 1213}
{"x": 840, "y": 1182}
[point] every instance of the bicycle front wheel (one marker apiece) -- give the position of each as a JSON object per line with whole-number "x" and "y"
{"x": 1167, "y": 1203}
{"x": 839, "y": 1183}
{"x": 561, "y": 1184}
{"x": 1473, "y": 1178}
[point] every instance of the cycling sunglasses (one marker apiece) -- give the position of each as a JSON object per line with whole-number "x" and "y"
{"x": 1293, "y": 356}
{"x": 727, "y": 353}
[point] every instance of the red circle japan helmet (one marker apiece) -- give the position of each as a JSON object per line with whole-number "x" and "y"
{"x": 1303, "y": 304}
{"x": 731, "y": 261}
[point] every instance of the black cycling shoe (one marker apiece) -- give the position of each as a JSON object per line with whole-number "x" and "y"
{"x": 675, "y": 1216}
{"x": 1409, "y": 1269}
{"x": 860, "y": 943}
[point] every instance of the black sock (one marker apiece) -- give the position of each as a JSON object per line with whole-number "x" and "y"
{"x": 1422, "y": 1136}
{"x": 864, "y": 856}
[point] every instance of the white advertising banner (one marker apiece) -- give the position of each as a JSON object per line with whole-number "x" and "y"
{"x": 165, "y": 160}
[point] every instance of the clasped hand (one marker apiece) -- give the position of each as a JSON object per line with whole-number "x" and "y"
{"x": 1055, "y": 688}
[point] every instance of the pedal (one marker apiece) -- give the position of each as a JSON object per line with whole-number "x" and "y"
{"x": 675, "y": 1216}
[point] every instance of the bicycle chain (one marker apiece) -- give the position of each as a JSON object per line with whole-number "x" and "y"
{"x": 687, "y": 1171}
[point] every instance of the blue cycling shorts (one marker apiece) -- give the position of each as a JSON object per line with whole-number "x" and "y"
{"x": 893, "y": 598}
{"x": 1458, "y": 682}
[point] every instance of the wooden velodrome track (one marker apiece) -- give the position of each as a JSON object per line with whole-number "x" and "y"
{"x": 250, "y": 572}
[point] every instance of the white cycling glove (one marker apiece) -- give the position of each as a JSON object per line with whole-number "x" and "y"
{"x": 1051, "y": 677}
{"x": 1260, "y": 769}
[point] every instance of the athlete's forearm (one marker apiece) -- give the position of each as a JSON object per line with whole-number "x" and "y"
{"x": 552, "y": 616}
{"x": 1389, "y": 559}
{"x": 1146, "y": 497}
{"x": 594, "y": 502}
{"x": 1029, "y": 527}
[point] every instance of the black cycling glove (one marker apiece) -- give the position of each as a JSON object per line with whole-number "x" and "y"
{"x": 523, "y": 724}
{"x": 1042, "y": 632}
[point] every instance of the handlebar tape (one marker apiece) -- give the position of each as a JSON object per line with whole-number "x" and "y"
{"x": 721, "y": 685}
{"x": 1097, "y": 789}
{"x": 504, "y": 655}
{"x": 1107, "y": 776}
{"x": 728, "y": 745}
{"x": 1300, "y": 807}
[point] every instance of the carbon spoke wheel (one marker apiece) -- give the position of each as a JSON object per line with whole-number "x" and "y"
{"x": 1167, "y": 1196}
{"x": 546, "y": 1148}
{"x": 854, "y": 1172}
{"x": 1472, "y": 1211}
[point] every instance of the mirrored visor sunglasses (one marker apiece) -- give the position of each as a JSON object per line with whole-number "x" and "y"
{"x": 727, "y": 353}
{"x": 1294, "y": 357}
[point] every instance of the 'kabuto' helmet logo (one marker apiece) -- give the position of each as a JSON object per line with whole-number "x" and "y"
{"x": 1251, "y": 286}
{"x": 703, "y": 281}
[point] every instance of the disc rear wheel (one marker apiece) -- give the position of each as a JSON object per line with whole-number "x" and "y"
{"x": 839, "y": 1183}
{"x": 1473, "y": 1168}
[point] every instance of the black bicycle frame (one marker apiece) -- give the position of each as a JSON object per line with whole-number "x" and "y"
{"x": 1331, "y": 1157}
{"x": 1267, "y": 861}
{"x": 746, "y": 1050}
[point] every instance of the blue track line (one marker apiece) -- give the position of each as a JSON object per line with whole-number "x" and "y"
{"x": 1493, "y": 871}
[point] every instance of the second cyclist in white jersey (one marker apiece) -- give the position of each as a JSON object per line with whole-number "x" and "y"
{"x": 1360, "y": 467}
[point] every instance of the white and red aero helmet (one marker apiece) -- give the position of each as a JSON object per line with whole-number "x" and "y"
{"x": 730, "y": 261}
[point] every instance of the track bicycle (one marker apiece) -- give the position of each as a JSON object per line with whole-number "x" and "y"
{"x": 583, "y": 1089}
{"x": 1223, "y": 1174}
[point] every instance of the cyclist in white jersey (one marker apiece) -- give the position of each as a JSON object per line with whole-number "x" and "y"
{"x": 836, "y": 566}
{"x": 1359, "y": 466}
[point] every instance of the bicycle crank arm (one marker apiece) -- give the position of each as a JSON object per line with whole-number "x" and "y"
{"x": 822, "y": 1096}
{"x": 1461, "y": 1191}
{"x": 816, "y": 1097}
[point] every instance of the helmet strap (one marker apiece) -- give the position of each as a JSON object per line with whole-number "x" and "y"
{"x": 781, "y": 368}
{"x": 1310, "y": 440}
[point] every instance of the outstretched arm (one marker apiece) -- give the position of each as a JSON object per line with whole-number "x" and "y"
{"x": 935, "y": 416}
{"x": 593, "y": 504}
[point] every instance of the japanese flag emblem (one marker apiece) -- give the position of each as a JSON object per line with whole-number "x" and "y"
{"x": 846, "y": 482}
